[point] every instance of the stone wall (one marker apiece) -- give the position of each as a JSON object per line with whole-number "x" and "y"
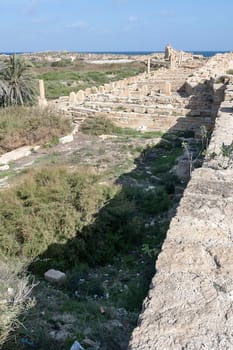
{"x": 190, "y": 302}
{"x": 216, "y": 66}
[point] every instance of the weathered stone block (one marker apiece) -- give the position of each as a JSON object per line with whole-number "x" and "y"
{"x": 55, "y": 276}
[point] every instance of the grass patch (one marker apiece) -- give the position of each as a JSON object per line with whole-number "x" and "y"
{"x": 50, "y": 206}
{"x": 20, "y": 126}
{"x": 62, "y": 82}
{"x": 99, "y": 126}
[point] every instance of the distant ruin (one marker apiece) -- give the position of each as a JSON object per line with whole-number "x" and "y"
{"x": 153, "y": 100}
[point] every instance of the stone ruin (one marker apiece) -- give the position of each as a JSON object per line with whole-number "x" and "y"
{"x": 177, "y": 58}
{"x": 148, "y": 101}
{"x": 190, "y": 302}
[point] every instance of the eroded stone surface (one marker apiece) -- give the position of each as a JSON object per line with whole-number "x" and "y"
{"x": 190, "y": 303}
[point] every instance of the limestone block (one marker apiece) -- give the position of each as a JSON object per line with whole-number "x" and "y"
{"x": 55, "y": 276}
{"x": 167, "y": 88}
{"x": 107, "y": 88}
{"x": 94, "y": 90}
{"x": 139, "y": 109}
{"x": 101, "y": 90}
{"x": 16, "y": 154}
{"x": 41, "y": 89}
{"x": 126, "y": 93}
{"x": 80, "y": 96}
{"x": 66, "y": 139}
{"x": 150, "y": 110}
{"x": 72, "y": 98}
{"x": 88, "y": 91}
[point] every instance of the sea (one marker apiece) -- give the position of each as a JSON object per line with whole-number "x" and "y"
{"x": 128, "y": 53}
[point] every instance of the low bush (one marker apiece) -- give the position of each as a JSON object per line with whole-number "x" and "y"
{"x": 20, "y": 126}
{"x": 51, "y": 207}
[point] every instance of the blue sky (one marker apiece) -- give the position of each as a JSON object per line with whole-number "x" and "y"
{"x": 115, "y": 25}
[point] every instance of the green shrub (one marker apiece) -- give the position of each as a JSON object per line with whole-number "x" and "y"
{"x": 52, "y": 207}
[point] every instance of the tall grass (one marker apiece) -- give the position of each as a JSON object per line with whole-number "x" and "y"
{"x": 14, "y": 297}
{"x": 20, "y": 126}
{"x": 49, "y": 206}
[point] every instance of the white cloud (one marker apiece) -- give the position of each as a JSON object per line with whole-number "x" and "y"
{"x": 133, "y": 19}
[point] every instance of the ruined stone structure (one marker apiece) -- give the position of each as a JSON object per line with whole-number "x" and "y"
{"x": 177, "y": 57}
{"x": 190, "y": 303}
{"x": 154, "y": 100}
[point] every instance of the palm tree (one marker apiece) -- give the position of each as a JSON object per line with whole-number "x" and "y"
{"x": 3, "y": 93}
{"x": 17, "y": 86}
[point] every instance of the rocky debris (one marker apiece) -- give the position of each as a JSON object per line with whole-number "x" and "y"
{"x": 55, "y": 276}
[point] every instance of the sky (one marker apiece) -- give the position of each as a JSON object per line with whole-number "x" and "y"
{"x": 115, "y": 25}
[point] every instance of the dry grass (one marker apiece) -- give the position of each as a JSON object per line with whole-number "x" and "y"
{"x": 14, "y": 297}
{"x": 20, "y": 126}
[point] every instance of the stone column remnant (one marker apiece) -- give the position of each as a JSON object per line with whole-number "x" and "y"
{"x": 42, "y": 99}
{"x": 180, "y": 57}
{"x": 172, "y": 62}
{"x": 148, "y": 66}
{"x": 94, "y": 90}
{"x": 72, "y": 98}
{"x": 41, "y": 87}
{"x": 80, "y": 96}
{"x": 167, "y": 52}
{"x": 167, "y": 88}
{"x": 101, "y": 89}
